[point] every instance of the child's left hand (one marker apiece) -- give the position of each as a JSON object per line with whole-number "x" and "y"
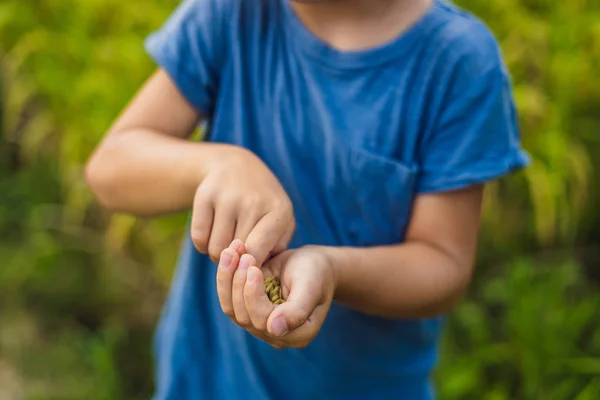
{"x": 307, "y": 283}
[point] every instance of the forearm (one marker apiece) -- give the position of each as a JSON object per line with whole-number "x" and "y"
{"x": 145, "y": 173}
{"x": 412, "y": 280}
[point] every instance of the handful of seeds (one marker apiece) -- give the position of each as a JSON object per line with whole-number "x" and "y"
{"x": 273, "y": 290}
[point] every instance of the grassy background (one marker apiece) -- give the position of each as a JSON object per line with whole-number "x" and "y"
{"x": 80, "y": 290}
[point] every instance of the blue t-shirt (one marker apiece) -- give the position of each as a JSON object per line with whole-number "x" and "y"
{"x": 353, "y": 137}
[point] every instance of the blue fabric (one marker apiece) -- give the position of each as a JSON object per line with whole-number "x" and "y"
{"x": 353, "y": 137}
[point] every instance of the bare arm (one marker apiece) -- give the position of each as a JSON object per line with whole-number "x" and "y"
{"x": 145, "y": 165}
{"x": 425, "y": 276}
{"x": 422, "y": 278}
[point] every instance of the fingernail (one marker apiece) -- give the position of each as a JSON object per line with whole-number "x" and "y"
{"x": 226, "y": 259}
{"x": 279, "y": 326}
{"x": 244, "y": 262}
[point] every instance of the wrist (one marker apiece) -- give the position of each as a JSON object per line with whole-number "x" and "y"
{"x": 207, "y": 157}
{"x": 335, "y": 261}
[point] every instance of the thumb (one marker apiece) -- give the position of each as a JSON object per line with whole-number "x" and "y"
{"x": 264, "y": 237}
{"x": 293, "y": 314}
{"x": 285, "y": 240}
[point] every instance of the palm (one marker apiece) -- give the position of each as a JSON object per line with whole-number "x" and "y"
{"x": 307, "y": 284}
{"x": 304, "y": 271}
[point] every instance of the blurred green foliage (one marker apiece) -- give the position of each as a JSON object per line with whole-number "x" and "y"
{"x": 80, "y": 290}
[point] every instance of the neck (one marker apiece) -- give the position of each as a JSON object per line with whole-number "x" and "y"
{"x": 352, "y": 25}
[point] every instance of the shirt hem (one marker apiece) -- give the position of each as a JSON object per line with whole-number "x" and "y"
{"x": 511, "y": 164}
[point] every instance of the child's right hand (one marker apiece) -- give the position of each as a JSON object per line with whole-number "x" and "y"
{"x": 240, "y": 198}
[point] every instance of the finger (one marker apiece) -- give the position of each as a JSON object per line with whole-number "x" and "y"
{"x": 237, "y": 291}
{"x": 301, "y": 336}
{"x": 267, "y": 339}
{"x": 258, "y": 305}
{"x": 298, "y": 314}
{"x": 227, "y": 266}
{"x": 201, "y": 225}
{"x": 245, "y": 224}
{"x": 221, "y": 235}
{"x": 264, "y": 237}
{"x": 284, "y": 241}
{"x": 238, "y": 246}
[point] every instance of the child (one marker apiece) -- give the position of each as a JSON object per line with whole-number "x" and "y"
{"x": 346, "y": 149}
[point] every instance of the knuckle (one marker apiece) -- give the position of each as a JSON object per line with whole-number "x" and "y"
{"x": 223, "y": 281}
{"x": 228, "y": 310}
{"x": 204, "y": 194}
{"x": 249, "y": 298}
{"x": 256, "y": 334}
{"x": 238, "y": 284}
{"x": 256, "y": 244}
{"x": 285, "y": 207}
{"x": 261, "y": 326}
{"x": 215, "y": 252}
{"x": 284, "y": 215}
{"x": 229, "y": 202}
{"x": 245, "y": 322}
{"x": 215, "y": 257}
{"x": 253, "y": 202}
{"x": 199, "y": 235}
{"x": 295, "y": 321}
{"x": 200, "y": 241}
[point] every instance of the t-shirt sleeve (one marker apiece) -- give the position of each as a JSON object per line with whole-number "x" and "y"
{"x": 475, "y": 138}
{"x": 191, "y": 47}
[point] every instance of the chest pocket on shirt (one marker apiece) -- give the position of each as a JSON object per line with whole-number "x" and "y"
{"x": 374, "y": 194}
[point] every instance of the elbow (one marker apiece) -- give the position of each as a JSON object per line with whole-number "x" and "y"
{"x": 435, "y": 309}
{"x": 101, "y": 176}
{"x": 450, "y": 296}
{"x": 452, "y": 283}
{"x": 449, "y": 303}
{"x": 444, "y": 294}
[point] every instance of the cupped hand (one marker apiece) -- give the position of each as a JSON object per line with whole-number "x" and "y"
{"x": 307, "y": 284}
